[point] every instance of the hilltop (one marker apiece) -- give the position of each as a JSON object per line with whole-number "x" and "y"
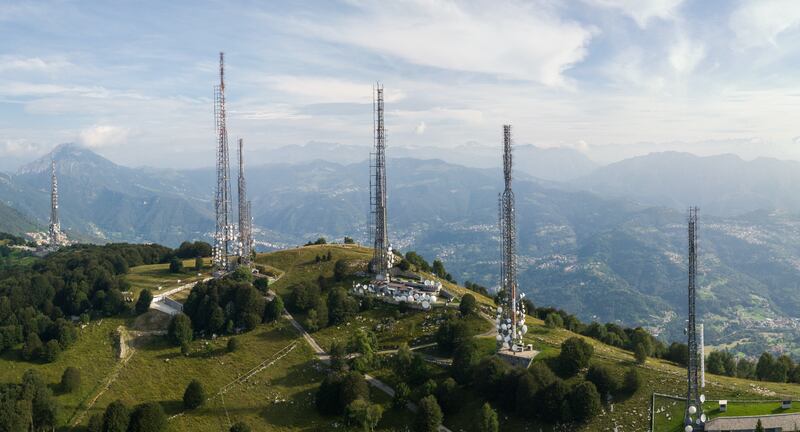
{"x": 280, "y": 394}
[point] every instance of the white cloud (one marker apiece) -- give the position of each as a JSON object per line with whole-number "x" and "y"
{"x": 505, "y": 39}
{"x": 18, "y": 147}
{"x": 99, "y": 136}
{"x": 642, "y": 11}
{"x": 420, "y": 129}
{"x": 760, "y": 22}
{"x": 686, "y": 55}
{"x": 32, "y": 64}
{"x": 313, "y": 89}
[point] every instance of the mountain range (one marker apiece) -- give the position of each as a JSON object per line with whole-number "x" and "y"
{"x": 608, "y": 245}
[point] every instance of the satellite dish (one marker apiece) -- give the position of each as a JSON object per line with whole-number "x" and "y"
{"x": 499, "y": 309}
{"x": 702, "y": 398}
{"x": 703, "y": 418}
{"x": 503, "y": 326}
{"x": 692, "y": 410}
{"x": 524, "y": 329}
{"x": 499, "y": 338}
{"x": 688, "y": 428}
{"x": 426, "y": 305}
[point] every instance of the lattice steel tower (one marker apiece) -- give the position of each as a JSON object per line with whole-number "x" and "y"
{"x": 54, "y": 232}
{"x": 693, "y": 417}
{"x": 511, "y": 313}
{"x": 224, "y": 230}
{"x": 381, "y": 255}
{"x": 245, "y": 221}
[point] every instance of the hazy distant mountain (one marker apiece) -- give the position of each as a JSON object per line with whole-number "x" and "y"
{"x": 722, "y": 185}
{"x": 14, "y": 222}
{"x": 604, "y": 257}
{"x": 556, "y": 164}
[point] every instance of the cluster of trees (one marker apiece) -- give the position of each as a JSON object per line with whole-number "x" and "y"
{"x": 197, "y": 249}
{"x": 221, "y": 306}
{"x": 118, "y": 417}
{"x": 767, "y": 368}
{"x": 324, "y": 306}
{"x": 319, "y": 241}
{"x": 412, "y": 258}
{"x": 480, "y": 289}
{"x": 324, "y": 257}
{"x": 81, "y": 280}
{"x": 28, "y": 406}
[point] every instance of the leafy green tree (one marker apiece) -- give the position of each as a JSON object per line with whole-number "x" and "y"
{"x": 33, "y": 347}
{"x": 180, "y": 329}
{"x": 746, "y": 369}
{"x": 553, "y": 402}
{"x": 402, "y": 394}
{"x": 274, "y": 309}
{"x": 640, "y": 353}
{"x": 632, "y": 380}
{"x": 363, "y": 415}
{"x": 759, "y": 426}
{"x": 148, "y": 417}
{"x": 764, "y": 366}
{"x": 341, "y": 306}
{"x": 143, "y": 303}
{"x": 194, "y": 396}
{"x": 451, "y": 333}
{"x": 116, "y": 418}
{"x": 488, "y": 422}
{"x": 233, "y": 344}
{"x": 198, "y": 264}
{"x": 575, "y": 355}
{"x": 175, "y": 265}
{"x": 584, "y": 401}
{"x": 438, "y": 269}
{"x": 429, "y": 416}
{"x": 353, "y": 387}
{"x": 261, "y": 284}
{"x": 327, "y": 397}
{"x": 468, "y": 305}
{"x": 348, "y": 240}
{"x": 537, "y": 378}
{"x": 603, "y": 379}
{"x": 465, "y": 358}
{"x": 70, "y": 380}
{"x": 448, "y": 395}
{"x": 340, "y": 270}
{"x": 52, "y": 350}
{"x": 553, "y": 320}
{"x": 240, "y": 427}
{"x": 95, "y": 423}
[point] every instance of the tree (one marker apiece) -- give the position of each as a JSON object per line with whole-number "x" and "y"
{"x": 537, "y": 378}
{"x": 340, "y": 270}
{"x": 116, "y": 418}
{"x": 448, "y": 395}
{"x": 33, "y": 347}
{"x": 364, "y": 415}
{"x": 401, "y": 395}
{"x": 465, "y": 357}
{"x": 632, "y": 380}
{"x": 240, "y": 427}
{"x": 148, "y": 417}
{"x": 553, "y": 402}
{"x": 198, "y": 264}
{"x": 429, "y": 415}
{"x": 640, "y": 353}
{"x": 233, "y": 344}
{"x": 438, "y": 269}
{"x": 52, "y": 350}
{"x": 273, "y": 310}
{"x": 341, "y": 306}
{"x": 764, "y": 366}
{"x": 487, "y": 422}
{"x": 584, "y": 401}
{"x": 95, "y": 423}
{"x": 194, "y": 396}
{"x": 327, "y": 397}
{"x": 175, "y": 265}
{"x": 180, "y": 329}
{"x": 261, "y": 284}
{"x": 70, "y": 380}
{"x": 451, "y": 333}
{"x": 348, "y": 240}
{"x": 603, "y": 379}
{"x": 143, "y": 304}
{"x": 759, "y": 426}
{"x": 575, "y": 355}
{"x": 353, "y": 387}
{"x": 553, "y": 320}
{"x": 468, "y": 305}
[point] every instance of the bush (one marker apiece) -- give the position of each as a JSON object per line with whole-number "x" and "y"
{"x": 143, "y": 303}
{"x": 640, "y": 353}
{"x": 401, "y": 395}
{"x": 584, "y": 401}
{"x": 341, "y": 306}
{"x": 233, "y": 344}
{"x": 52, "y": 350}
{"x": 70, "y": 380}
{"x": 180, "y": 329}
{"x": 537, "y": 378}
{"x": 348, "y": 240}
{"x": 451, "y": 333}
{"x": 95, "y": 423}
{"x": 632, "y": 380}
{"x": 487, "y": 421}
{"x": 575, "y": 355}
{"x": 448, "y": 395}
{"x": 340, "y": 270}
{"x": 429, "y": 415}
{"x": 465, "y": 357}
{"x": 116, "y": 418}
{"x": 261, "y": 284}
{"x": 175, "y": 265}
{"x": 554, "y": 320}
{"x": 603, "y": 379}
{"x": 240, "y": 427}
{"x": 553, "y": 402}
{"x": 363, "y": 415}
{"x": 468, "y": 305}
{"x": 274, "y": 309}
{"x": 198, "y": 264}
{"x": 148, "y": 417}
{"x": 194, "y": 396}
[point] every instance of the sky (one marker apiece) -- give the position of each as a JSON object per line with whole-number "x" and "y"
{"x": 133, "y": 80}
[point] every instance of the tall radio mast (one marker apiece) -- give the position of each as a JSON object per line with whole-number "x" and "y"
{"x": 224, "y": 230}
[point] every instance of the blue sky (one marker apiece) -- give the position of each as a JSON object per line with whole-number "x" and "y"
{"x": 611, "y": 78}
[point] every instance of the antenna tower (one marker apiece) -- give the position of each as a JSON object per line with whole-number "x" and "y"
{"x": 381, "y": 260}
{"x": 54, "y": 232}
{"x": 511, "y": 313}
{"x": 224, "y": 230}
{"x": 693, "y": 418}
{"x": 245, "y": 222}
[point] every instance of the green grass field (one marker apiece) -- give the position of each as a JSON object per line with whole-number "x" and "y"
{"x": 158, "y": 275}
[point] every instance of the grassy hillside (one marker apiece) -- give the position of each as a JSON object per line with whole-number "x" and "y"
{"x": 281, "y": 396}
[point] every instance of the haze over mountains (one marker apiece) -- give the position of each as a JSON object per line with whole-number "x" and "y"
{"x": 608, "y": 243}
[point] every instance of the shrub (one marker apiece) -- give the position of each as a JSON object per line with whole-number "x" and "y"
{"x": 487, "y": 421}
{"x": 240, "y": 427}
{"x": 194, "y": 396}
{"x": 468, "y": 305}
{"x": 52, "y": 350}
{"x": 175, "y": 265}
{"x": 448, "y": 395}
{"x": 401, "y": 395}
{"x": 465, "y": 357}
{"x": 640, "y": 353}
{"x": 233, "y": 344}
{"x": 363, "y": 415}
{"x": 429, "y": 415}
{"x": 148, "y": 417}
{"x": 575, "y": 355}
{"x": 198, "y": 264}
{"x": 95, "y": 423}
{"x": 70, "y": 380}
{"x": 554, "y": 320}
{"x": 340, "y": 270}
{"x": 180, "y": 329}
{"x": 603, "y": 379}
{"x": 632, "y": 380}
{"x": 273, "y": 310}
{"x": 116, "y": 418}
{"x": 584, "y": 401}
{"x": 143, "y": 303}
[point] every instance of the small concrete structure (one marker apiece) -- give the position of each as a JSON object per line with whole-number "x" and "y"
{"x": 723, "y": 406}
{"x": 771, "y": 423}
{"x": 518, "y": 356}
{"x": 786, "y": 404}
